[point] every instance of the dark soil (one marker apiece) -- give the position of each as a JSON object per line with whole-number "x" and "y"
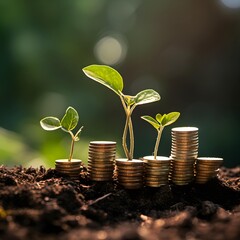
{"x": 42, "y": 204}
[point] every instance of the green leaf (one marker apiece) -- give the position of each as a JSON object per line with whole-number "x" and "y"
{"x": 105, "y": 75}
{"x": 146, "y": 96}
{"x": 170, "y": 118}
{"x": 129, "y": 100}
{"x": 163, "y": 120}
{"x": 70, "y": 119}
{"x": 159, "y": 117}
{"x": 152, "y": 121}
{"x": 50, "y": 123}
{"x": 77, "y": 135}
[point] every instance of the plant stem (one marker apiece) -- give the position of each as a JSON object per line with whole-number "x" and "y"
{"x": 72, "y": 146}
{"x": 158, "y": 141}
{"x": 124, "y": 138}
{"x": 131, "y": 135}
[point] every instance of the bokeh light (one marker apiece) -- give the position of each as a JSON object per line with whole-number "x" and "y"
{"x": 231, "y": 3}
{"x": 110, "y": 50}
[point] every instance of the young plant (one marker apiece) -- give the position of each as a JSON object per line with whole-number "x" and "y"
{"x": 159, "y": 123}
{"x": 112, "y": 79}
{"x": 67, "y": 124}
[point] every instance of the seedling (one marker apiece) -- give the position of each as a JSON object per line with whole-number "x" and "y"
{"x": 112, "y": 79}
{"x": 67, "y": 124}
{"x": 159, "y": 123}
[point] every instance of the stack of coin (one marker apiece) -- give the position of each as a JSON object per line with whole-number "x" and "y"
{"x": 184, "y": 152}
{"x": 156, "y": 170}
{"x": 70, "y": 168}
{"x": 130, "y": 173}
{"x": 207, "y": 168}
{"x": 101, "y": 160}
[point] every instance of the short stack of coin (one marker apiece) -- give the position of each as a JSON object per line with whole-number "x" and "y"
{"x": 156, "y": 170}
{"x": 101, "y": 160}
{"x": 184, "y": 152}
{"x": 207, "y": 168}
{"x": 70, "y": 168}
{"x": 130, "y": 173}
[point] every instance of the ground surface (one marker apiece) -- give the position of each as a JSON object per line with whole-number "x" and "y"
{"x": 41, "y": 204}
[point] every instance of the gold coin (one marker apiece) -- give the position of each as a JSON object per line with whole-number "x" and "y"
{"x": 134, "y": 162}
{"x": 68, "y": 165}
{"x": 92, "y": 146}
{"x": 156, "y": 178}
{"x": 65, "y": 161}
{"x": 157, "y": 165}
{"x": 100, "y": 175}
{"x": 101, "y": 164}
{"x": 184, "y": 129}
{"x": 183, "y": 165}
{"x": 68, "y": 169}
{"x": 103, "y": 143}
{"x": 99, "y": 167}
{"x": 209, "y": 161}
{"x": 185, "y": 154}
{"x": 130, "y": 174}
{"x": 101, "y": 150}
{"x": 185, "y": 142}
{"x": 157, "y": 168}
{"x": 101, "y": 155}
{"x": 106, "y": 173}
{"x": 157, "y": 162}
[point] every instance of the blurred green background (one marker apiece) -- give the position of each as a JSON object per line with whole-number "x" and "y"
{"x": 188, "y": 51}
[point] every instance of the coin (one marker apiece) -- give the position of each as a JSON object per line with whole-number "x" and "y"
{"x": 70, "y": 168}
{"x": 207, "y": 168}
{"x": 156, "y": 170}
{"x": 184, "y": 151}
{"x": 101, "y": 159}
{"x": 129, "y": 173}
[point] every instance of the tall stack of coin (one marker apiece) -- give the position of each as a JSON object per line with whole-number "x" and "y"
{"x": 156, "y": 170}
{"x": 101, "y": 160}
{"x": 70, "y": 168}
{"x": 184, "y": 152}
{"x": 207, "y": 168}
{"x": 130, "y": 173}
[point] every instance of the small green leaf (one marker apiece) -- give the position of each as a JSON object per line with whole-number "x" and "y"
{"x": 163, "y": 120}
{"x": 152, "y": 121}
{"x": 105, "y": 75}
{"x": 159, "y": 117}
{"x": 129, "y": 100}
{"x": 50, "y": 123}
{"x": 77, "y": 135}
{"x": 170, "y": 118}
{"x": 146, "y": 96}
{"x": 70, "y": 119}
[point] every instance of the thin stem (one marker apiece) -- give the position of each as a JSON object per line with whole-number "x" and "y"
{"x": 124, "y": 138}
{"x": 72, "y": 146}
{"x": 158, "y": 141}
{"x": 131, "y": 133}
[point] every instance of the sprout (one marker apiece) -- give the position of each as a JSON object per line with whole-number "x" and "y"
{"x": 110, "y": 78}
{"x": 67, "y": 124}
{"x": 159, "y": 123}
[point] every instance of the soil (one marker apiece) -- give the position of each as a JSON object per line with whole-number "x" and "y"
{"x": 43, "y": 204}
